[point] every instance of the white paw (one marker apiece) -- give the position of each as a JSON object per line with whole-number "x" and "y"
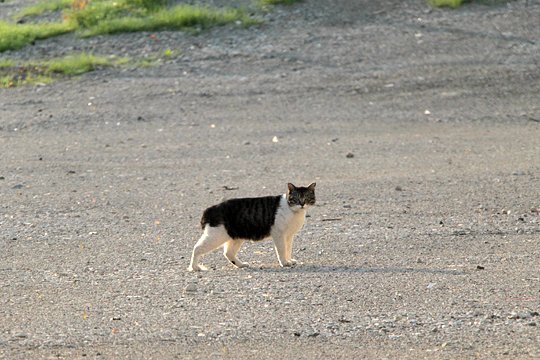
{"x": 286, "y": 264}
{"x": 197, "y": 268}
{"x": 238, "y": 263}
{"x": 294, "y": 261}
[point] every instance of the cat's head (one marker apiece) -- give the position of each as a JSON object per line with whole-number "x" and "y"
{"x": 299, "y": 197}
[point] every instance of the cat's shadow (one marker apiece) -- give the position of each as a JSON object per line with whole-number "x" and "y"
{"x": 311, "y": 268}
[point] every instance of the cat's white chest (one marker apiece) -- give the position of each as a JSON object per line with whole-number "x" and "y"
{"x": 288, "y": 222}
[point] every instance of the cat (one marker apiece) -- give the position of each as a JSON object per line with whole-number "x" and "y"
{"x": 233, "y": 221}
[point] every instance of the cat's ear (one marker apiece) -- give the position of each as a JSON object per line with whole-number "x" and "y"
{"x": 311, "y": 186}
{"x": 291, "y": 187}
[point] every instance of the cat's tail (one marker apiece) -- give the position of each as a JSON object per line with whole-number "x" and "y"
{"x": 203, "y": 221}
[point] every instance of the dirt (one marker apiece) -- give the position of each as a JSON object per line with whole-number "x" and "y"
{"x": 420, "y": 126}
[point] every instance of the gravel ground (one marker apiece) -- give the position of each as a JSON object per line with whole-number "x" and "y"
{"x": 420, "y": 126}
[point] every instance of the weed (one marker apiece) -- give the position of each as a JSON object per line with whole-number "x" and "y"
{"x": 168, "y": 52}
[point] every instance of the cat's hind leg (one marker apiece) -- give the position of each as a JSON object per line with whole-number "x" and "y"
{"x": 211, "y": 239}
{"x": 230, "y": 250}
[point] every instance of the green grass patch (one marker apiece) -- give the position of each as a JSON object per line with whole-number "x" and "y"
{"x": 23, "y": 77}
{"x": 42, "y": 7}
{"x": 6, "y": 63}
{"x": 97, "y": 17}
{"x": 457, "y": 3}
{"x": 446, "y": 3}
{"x": 12, "y": 75}
{"x": 77, "y": 64}
{"x": 110, "y": 18}
{"x": 15, "y": 36}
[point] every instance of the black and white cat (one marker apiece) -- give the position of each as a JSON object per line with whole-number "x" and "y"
{"x": 233, "y": 221}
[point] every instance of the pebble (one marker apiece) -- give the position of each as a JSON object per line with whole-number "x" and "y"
{"x": 522, "y": 315}
{"x": 525, "y": 315}
{"x": 332, "y": 326}
{"x": 349, "y": 155}
{"x": 190, "y": 288}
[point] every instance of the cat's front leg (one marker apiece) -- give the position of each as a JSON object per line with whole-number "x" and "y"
{"x": 280, "y": 243}
{"x": 289, "y": 244}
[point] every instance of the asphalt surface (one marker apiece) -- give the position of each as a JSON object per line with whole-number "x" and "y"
{"x": 421, "y": 128}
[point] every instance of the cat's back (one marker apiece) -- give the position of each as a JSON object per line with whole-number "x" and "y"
{"x": 247, "y": 218}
